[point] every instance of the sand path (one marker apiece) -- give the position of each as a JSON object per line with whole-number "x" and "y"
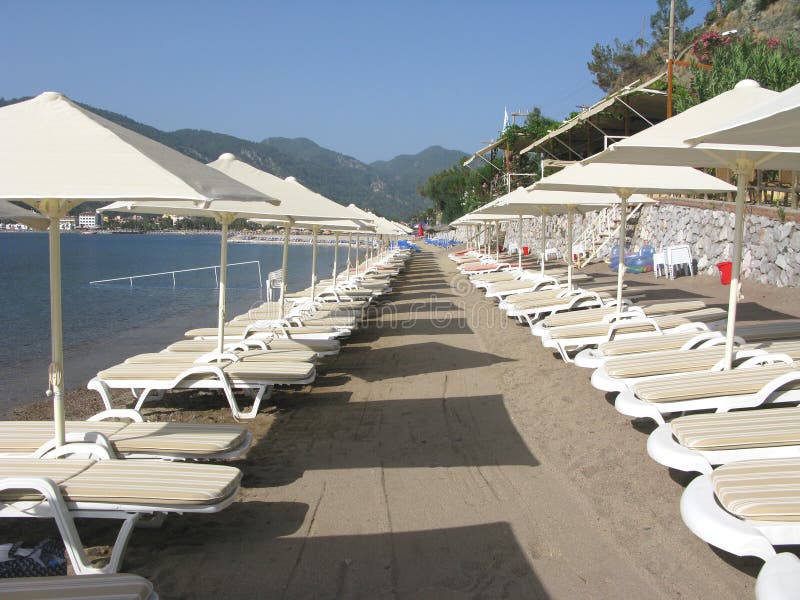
{"x": 445, "y": 454}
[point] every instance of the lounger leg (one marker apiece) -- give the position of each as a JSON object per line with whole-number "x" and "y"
{"x": 101, "y": 388}
{"x": 66, "y": 525}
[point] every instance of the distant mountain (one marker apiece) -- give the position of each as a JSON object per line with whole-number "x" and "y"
{"x": 410, "y": 171}
{"x": 388, "y": 188}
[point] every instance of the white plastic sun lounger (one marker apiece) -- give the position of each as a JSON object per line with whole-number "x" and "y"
{"x": 259, "y": 378}
{"x": 530, "y": 282}
{"x": 319, "y": 347}
{"x": 701, "y": 441}
{"x": 746, "y": 508}
{"x": 771, "y": 331}
{"x": 620, "y": 373}
{"x": 575, "y": 301}
{"x": 575, "y": 337}
{"x": 127, "y": 439}
{"x": 268, "y": 330}
{"x": 538, "y": 298}
{"x": 119, "y": 586}
{"x": 201, "y": 358}
{"x": 721, "y": 391}
{"x": 127, "y": 490}
{"x": 606, "y": 314}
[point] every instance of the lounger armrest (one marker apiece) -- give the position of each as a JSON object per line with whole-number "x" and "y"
{"x": 614, "y": 327}
{"x": 663, "y": 448}
{"x": 214, "y": 355}
{"x": 774, "y": 386}
{"x": 89, "y": 443}
{"x": 708, "y": 339}
{"x": 630, "y": 312}
{"x": 118, "y": 413}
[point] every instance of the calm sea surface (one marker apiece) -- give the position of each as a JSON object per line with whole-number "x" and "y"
{"x": 103, "y": 324}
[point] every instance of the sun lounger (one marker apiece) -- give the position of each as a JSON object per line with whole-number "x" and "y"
{"x": 719, "y": 391}
{"x": 259, "y": 378}
{"x": 574, "y": 337}
{"x": 538, "y": 297}
{"x": 319, "y": 347}
{"x": 68, "y": 489}
{"x": 128, "y": 439}
{"x": 701, "y": 441}
{"x": 531, "y": 281}
{"x": 620, "y": 373}
{"x": 746, "y": 508}
{"x": 575, "y": 301}
{"x": 119, "y": 586}
{"x": 268, "y": 330}
{"x": 605, "y": 314}
{"x": 249, "y": 356}
{"x": 760, "y": 332}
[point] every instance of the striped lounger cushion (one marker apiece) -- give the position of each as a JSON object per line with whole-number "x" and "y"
{"x": 763, "y": 490}
{"x": 693, "y": 386}
{"x": 744, "y": 429}
{"x": 121, "y": 586}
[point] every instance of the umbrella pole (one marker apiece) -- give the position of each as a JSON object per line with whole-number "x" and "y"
{"x": 285, "y": 266}
{"x": 519, "y": 245}
{"x": 544, "y": 242}
{"x": 497, "y": 240}
{"x": 223, "y": 279}
{"x": 623, "y": 218}
{"x": 349, "y": 244}
{"x": 743, "y": 169}
{"x": 358, "y": 249}
{"x": 569, "y": 248}
{"x": 315, "y": 230}
{"x": 335, "y": 255}
{"x": 56, "y": 332}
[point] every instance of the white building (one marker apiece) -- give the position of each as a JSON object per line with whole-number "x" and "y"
{"x": 66, "y": 223}
{"x": 90, "y": 220}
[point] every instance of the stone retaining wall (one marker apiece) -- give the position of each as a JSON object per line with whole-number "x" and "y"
{"x": 771, "y": 246}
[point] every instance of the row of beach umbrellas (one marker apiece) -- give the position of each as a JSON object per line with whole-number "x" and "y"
{"x": 743, "y": 129}
{"x": 55, "y": 155}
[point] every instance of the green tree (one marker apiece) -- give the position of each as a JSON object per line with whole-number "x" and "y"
{"x": 773, "y": 63}
{"x": 659, "y": 21}
{"x": 617, "y": 65}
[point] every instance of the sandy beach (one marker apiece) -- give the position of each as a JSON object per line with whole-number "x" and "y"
{"x": 443, "y": 454}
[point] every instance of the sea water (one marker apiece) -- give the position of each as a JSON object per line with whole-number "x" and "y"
{"x": 104, "y": 324}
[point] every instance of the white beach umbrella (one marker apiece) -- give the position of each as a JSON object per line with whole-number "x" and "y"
{"x": 772, "y": 123}
{"x": 55, "y": 155}
{"x": 307, "y": 205}
{"x": 666, "y": 144}
{"x": 530, "y": 202}
{"x": 626, "y": 180}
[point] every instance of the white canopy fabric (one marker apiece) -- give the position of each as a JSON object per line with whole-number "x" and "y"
{"x": 52, "y": 148}
{"x": 773, "y": 123}
{"x": 55, "y": 155}
{"x": 297, "y": 201}
{"x": 27, "y": 217}
{"x": 666, "y": 143}
{"x": 631, "y": 179}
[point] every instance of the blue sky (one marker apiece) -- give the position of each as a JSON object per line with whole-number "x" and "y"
{"x": 371, "y": 79}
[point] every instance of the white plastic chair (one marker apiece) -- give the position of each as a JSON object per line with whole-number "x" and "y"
{"x": 678, "y": 256}
{"x": 659, "y": 263}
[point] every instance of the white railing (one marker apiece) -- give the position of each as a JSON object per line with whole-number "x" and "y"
{"x": 130, "y": 278}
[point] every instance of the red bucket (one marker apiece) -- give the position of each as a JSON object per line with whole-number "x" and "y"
{"x": 725, "y": 272}
{"x": 525, "y": 251}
